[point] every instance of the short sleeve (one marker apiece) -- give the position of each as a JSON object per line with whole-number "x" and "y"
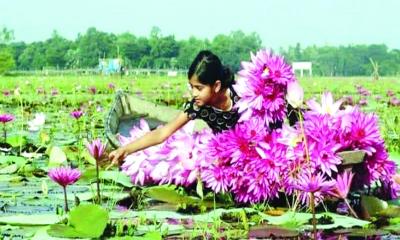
{"x": 191, "y": 110}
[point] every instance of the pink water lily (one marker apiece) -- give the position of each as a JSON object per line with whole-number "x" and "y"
{"x": 327, "y": 106}
{"x": 77, "y": 114}
{"x": 5, "y": 118}
{"x": 342, "y": 186}
{"x": 64, "y": 176}
{"x": 96, "y": 148}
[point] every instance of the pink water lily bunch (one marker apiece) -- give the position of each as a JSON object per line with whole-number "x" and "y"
{"x": 64, "y": 176}
{"x": 262, "y": 86}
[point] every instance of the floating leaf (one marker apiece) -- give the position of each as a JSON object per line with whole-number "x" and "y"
{"x": 88, "y": 220}
{"x": 371, "y": 206}
{"x": 56, "y": 157}
{"x": 9, "y": 169}
{"x": 17, "y": 140}
{"x": 168, "y": 194}
{"x": 116, "y": 176}
{"x": 31, "y": 220}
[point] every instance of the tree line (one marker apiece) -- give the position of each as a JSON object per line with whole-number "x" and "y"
{"x": 158, "y": 51}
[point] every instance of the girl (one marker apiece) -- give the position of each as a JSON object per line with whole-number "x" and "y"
{"x": 213, "y": 101}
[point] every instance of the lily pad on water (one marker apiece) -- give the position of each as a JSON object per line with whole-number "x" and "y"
{"x": 10, "y": 169}
{"x": 17, "y": 140}
{"x": 56, "y": 157}
{"x": 88, "y": 221}
{"x": 371, "y": 206}
{"x": 13, "y": 159}
{"x": 300, "y": 220}
{"x": 31, "y": 220}
{"x": 116, "y": 176}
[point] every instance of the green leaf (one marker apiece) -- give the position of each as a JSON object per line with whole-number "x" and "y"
{"x": 89, "y": 218}
{"x": 56, "y": 157}
{"x": 10, "y": 169}
{"x": 30, "y": 220}
{"x": 84, "y": 221}
{"x": 300, "y": 220}
{"x": 86, "y": 155}
{"x": 13, "y": 159}
{"x": 166, "y": 193}
{"x": 199, "y": 188}
{"x": 372, "y": 205}
{"x": 116, "y": 176}
{"x": 17, "y": 140}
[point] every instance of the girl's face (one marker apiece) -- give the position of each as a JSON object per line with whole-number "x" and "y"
{"x": 202, "y": 93}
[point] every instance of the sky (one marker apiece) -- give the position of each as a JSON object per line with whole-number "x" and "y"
{"x": 279, "y": 23}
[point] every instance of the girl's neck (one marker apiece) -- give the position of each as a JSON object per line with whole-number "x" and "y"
{"x": 223, "y": 101}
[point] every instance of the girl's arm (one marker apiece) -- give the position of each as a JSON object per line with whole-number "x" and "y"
{"x": 152, "y": 138}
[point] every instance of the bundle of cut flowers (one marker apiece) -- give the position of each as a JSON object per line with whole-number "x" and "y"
{"x": 256, "y": 163}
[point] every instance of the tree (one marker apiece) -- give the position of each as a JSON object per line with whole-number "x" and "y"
{"x": 94, "y": 45}
{"x": 56, "y": 50}
{"x": 6, "y": 56}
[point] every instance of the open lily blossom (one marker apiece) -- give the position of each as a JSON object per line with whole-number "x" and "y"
{"x": 37, "y": 123}
{"x": 5, "y": 118}
{"x": 327, "y": 106}
{"x": 262, "y": 85}
{"x": 342, "y": 187}
{"x": 64, "y": 176}
{"x": 177, "y": 160}
{"x": 309, "y": 182}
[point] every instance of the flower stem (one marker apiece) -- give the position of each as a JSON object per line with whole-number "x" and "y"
{"x": 350, "y": 208}
{"x": 65, "y": 199}
{"x": 4, "y": 132}
{"x": 98, "y": 182}
{"x": 314, "y": 220}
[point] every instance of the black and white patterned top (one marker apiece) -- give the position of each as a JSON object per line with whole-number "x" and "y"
{"x": 217, "y": 119}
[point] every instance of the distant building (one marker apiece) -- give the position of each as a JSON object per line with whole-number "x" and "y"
{"x": 302, "y": 66}
{"x": 110, "y": 65}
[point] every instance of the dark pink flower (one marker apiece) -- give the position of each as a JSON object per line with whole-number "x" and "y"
{"x": 342, "y": 186}
{"x": 4, "y": 118}
{"x": 77, "y": 114}
{"x": 92, "y": 90}
{"x": 6, "y": 93}
{"x": 96, "y": 148}
{"x": 64, "y": 175}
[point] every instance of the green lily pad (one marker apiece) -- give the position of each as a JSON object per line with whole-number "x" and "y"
{"x": 88, "y": 220}
{"x": 13, "y": 159}
{"x": 300, "y": 220}
{"x": 116, "y": 176}
{"x": 30, "y": 220}
{"x": 56, "y": 157}
{"x": 372, "y": 206}
{"x": 10, "y": 169}
{"x": 17, "y": 140}
{"x": 166, "y": 193}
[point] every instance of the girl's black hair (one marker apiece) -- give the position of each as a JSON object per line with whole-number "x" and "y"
{"x": 208, "y": 69}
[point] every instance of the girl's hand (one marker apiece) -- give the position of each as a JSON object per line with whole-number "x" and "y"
{"x": 117, "y": 156}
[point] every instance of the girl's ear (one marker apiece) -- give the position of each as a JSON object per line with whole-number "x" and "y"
{"x": 217, "y": 86}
